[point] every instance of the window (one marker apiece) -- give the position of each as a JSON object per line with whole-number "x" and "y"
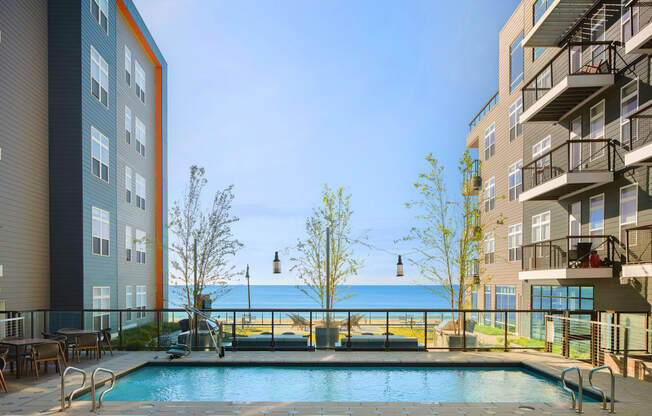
{"x": 516, "y": 62}
{"x": 489, "y": 141}
{"x": 575, "y": 59}
{"x": 515, "y": 127}
{"x": 140, "y": 246}
{"x": 514, "y": 242}
{"x": 596, "y": 215}
{"x": 141, "y": 301}
{"x": 575, "y": 223}
{"x": 101, "y": 300}
{"x": 99, "y": 77}
{"x": 99, "y": 155}
{"x": 597, "y": 129}
{"x": 141, "y": 137}
{"x": 489, "y": 248}
{"x": 128, "y": 184}
{"x": 575, "y": 133}
{"x": 127, "y": 125}
{"x": 543, "y": 82}
{"x": 506, "y": 299}
{"x": 100, "y": 231}
{"x": 129, "y": 301}
{"x": 536, "y": 52}
{"x": 140, "y": 192}
{"x": 539, "y": 8}
{"x": 127, "y": 65}
{"x": 100, "y": 11}
{"x": 129, "y": 243}
{"x": 515, "y": 180}
{"x": 541, "y": 153}
{"x": 474, "y": 304}
{"x": 541, "y": 227}
{"x": 487, "y": 304}
{"x": 628, "y": 106}
{"x": 489, "y": 194}
{"x": 597, "y": 35}
{"x": 140, "y": 82}
{"x": 629, "y": 23}
{"x": 628, "y": 211}
{"x": 573, "y": 298}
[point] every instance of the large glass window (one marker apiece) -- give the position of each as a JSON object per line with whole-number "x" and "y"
{"x": 575, "y": 223}
{"x": 140, "y": 192}
{"x": 141, "y": 301}
{"x": 489, "y": 194}
{"x": 515, "y": 180}
{"x": 628, "y": 106}
{"x": 101, "y": 300}
{"x": 141, "y": 137}
{"x": 474, "y": 304}
{"x": 140, "y": 82}
{"x": 514, "y": 242}
{"x": 539, "y": 8}
{"x": 506, "y": 299}
{"x": 100, "y": 231}
{"x": 541, "y": 227}
{"x": 515, "y": 111}
{"x": 99, "y": 154}
{"x": 575, "y": 134}
{"x": 489, "y": 248}
{"x": 629, "y": 23}
{"x": 487, "y": 305}
{"x": 628, "y": 211}
{"x": 573, "y": 298}
{"x": 596, "y": 215}
{"x": 100, "y": 11}
{"x": 541, "y": 153}
{"x": 597, "y": 130}
{"x": 127, "y": 65}
{"x": 99, "y": 77}
{"x": 489, "y": 141}
{"x": 516, "y": 62}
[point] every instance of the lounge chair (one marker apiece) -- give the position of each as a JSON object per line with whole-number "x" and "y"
{"x": 380, "y": 342}
{"x": 178, "y": 351}
{"x": 286, "y": 341}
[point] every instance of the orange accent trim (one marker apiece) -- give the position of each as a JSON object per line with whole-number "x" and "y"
{"x": 159, "y": 150}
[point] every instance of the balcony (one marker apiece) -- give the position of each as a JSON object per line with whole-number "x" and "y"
{"x": 638, "y": 259}
{"x": 554, "y": 19}
{"x": 575, "y": 74}
{"x": 472, "y": 179}
{"x": 472, "y": 142}
{"x": 637, "y": 137}
{"x": 571, "y": 257}
{"x": 473, "y": 271}
{"x": 637, "y": 30}
{"x": 568, "y": 168}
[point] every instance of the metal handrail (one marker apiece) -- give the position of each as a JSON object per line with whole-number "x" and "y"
{"x": 613, "y": 387}
{"x": 487, "y": 107}
{"x": 572, "y": 393}
{"x": 77, "y": 390}
{"x": 99, "y": 402}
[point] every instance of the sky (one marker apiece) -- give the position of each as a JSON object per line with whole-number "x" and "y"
{"x": 280, "y": 97}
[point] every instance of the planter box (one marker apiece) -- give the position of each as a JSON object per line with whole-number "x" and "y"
{"x": 326, "y": 337}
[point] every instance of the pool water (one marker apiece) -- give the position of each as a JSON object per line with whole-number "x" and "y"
{"x": 342, "y": 384}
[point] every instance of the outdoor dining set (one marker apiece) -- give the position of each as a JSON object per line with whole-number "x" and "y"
{"x": 25, "y": 355}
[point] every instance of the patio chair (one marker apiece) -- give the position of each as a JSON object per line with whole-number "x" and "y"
{"x": 106, "y": 340}
{"x": 3, "y": 364}
{"x": 63, "y": 343}
{"x": 11, "y": 357}
{"x": 178, "y": 351}
{"x": 43, "y": 353}
{"x": 88, "y": 343}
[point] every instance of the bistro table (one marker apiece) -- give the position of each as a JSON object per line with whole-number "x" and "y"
{"x": 72, "y": 332}
{"x": 21, "y": 343}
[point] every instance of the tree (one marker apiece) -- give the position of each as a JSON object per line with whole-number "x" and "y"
{"x": 309, "y": 262}
{"x": 210, "y": 229}
{"x": 447, "y": 239}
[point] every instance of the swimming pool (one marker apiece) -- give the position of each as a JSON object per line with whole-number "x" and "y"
{"x": 341, "y": 384}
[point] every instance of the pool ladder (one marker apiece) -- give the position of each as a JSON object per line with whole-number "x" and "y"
{"x": 96, "y": 405}
{"x": 577, "y": 404}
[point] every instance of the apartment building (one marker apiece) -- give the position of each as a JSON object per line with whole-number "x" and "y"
{"x": 575, "y": 76}
{"x": 83, "y": 118}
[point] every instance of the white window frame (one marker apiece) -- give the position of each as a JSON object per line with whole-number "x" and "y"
{"x": 541, "y": 222}
{"x": 128, "y": 123}
{"x": 102, "y": 300}
{"x": 624, "y": 223}
{"x": 127, "y": 66}
{"x": 103, "y": 11}
{"x": 141, "y": 192}
{"x": 572, "y": 220}
{"x": 592, "y": 230}
{"x": 141, "y": 301}
{"x": 514, "y": 241}
{"x": 576, "y": 148}
{"x": 624, "y": 120}
{"x": 129, "y": 187}
{"x": 141, "y": 246}
{"x": 129, "y": 301}
{"x": 100, "y": 148}
{"x": 99, "y": 65}
{"x": 515, "y": 126}
{"x": 490, "y": 194}
{"x": 489, "y": 248}
{"x": 515, "y": 170}
{"x": 101, "y": 230}
{"x": 141, "y": 81}
{"x": 599, "y": 133}
{"x": 141, "y": 137}
{"x": 129, "y": 244}
{"x": 518, "y": 79}
{"x": 490, "y": 141}
{"x": 626, "y": 17}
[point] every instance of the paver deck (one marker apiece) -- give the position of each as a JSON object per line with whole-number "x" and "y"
{"x": 28, "y": 396}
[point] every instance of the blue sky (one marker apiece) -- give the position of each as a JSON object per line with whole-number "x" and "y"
{"x": 280, "y": 97}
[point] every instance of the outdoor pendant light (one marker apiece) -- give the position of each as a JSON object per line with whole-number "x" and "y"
{"x": 277, "y": 264}
{"x": 399, "y": 267}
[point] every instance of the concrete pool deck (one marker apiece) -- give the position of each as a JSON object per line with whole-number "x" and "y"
{"x": 28, "y": 396}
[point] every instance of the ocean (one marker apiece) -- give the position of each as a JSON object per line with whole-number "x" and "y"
{"x": 363, "y": 297}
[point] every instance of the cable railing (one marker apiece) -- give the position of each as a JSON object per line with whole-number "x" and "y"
{"x": 485, "y": 110}
{"x": 571, "y": 252}
{"x": 585, "y": 155}
{"x": 576, "y": 58}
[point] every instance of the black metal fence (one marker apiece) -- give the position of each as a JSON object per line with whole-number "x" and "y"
{"x": 571, "y": 252}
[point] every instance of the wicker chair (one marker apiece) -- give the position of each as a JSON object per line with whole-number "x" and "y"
{"x": 44, "y": 353}
{"x": 88, "y": 343}
{"x": 3, "y": 364}
{"x": 63, "y": 343}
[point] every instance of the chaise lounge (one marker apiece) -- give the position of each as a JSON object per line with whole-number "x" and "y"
{"x": 285, "y": 341}
{"x": 368, "y": 342}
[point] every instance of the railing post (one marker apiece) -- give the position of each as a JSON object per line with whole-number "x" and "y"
{"x": 425, "y": 330}
{"x": 463, "y": 330}
{"x": 625, "y": 352}
{"x": 158, "y": 329}
{"x": 32, "y": 324}
{"x": 234, "y": 342}
{"x": 272, "y": 342}
{"x": 505, "y": 327}
{"x": 120, "y": 328}
{"x": 348, "y": 330}
{"x": 386, "y": 330}
{"x": 310, "y": 328}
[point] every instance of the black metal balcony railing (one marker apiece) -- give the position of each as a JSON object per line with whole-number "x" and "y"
{"x": 472, "y": 178}
{"x": 638, "y": 132}
{"x": 571, "y": 252}
{"x": 638, "y": 242}
{"x": 487, "y": 107}
{"x": 570, "y": 156}
{"x": 576, "y": 58}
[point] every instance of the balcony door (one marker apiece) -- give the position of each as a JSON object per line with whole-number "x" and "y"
{"x": 575, "y": 223}
{"x": 576, "y": 148}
